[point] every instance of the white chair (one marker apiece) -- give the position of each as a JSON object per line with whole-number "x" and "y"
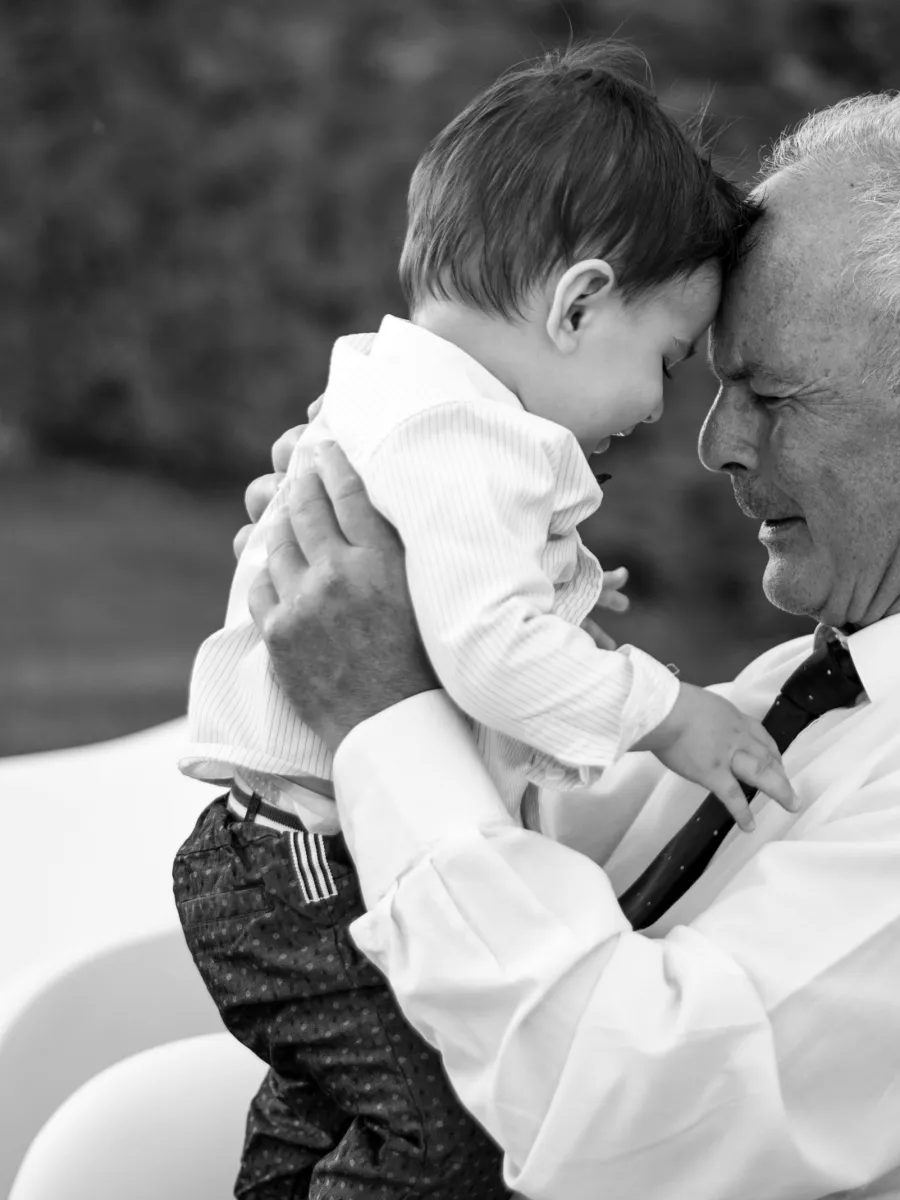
{"x": 84, "y": 1015}
{"x": 168, "y": 1122}
{"x": 93, "y": 959}
{"x": 89, "y": 835}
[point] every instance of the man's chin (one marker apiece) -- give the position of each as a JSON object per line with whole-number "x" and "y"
{"x": 793, "y": 587}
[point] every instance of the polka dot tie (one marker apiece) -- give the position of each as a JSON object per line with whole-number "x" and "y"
{"x": 825, "y": 680}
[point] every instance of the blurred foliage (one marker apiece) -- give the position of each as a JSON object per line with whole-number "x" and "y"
{"x": 198, "y": 196}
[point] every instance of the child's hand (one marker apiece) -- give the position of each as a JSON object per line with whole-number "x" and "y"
{"x": 611, "y": 595}
{"x": 602, "y": 640}
{"x": 709, "y": 741}
{"x": 611, "y": 598}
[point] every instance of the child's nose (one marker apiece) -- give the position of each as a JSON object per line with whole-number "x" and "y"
{"x": 655, "y": 414}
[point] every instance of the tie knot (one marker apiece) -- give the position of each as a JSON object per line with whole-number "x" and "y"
{"x": 825, "y": 680}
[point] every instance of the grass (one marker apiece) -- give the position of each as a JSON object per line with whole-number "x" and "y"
{"x": 110, "y": 582}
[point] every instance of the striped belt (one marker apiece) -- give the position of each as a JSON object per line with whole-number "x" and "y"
{"x": 309, "y": 851}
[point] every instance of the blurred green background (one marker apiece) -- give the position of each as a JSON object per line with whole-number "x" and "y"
{"x": 197, "y": 197}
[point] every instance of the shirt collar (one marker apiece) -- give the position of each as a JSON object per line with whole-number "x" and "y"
{"x": 875, "y": 650}
{"x": 399, "y": 338}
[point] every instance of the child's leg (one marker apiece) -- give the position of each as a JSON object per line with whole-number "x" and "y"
{"x": 356, "y": 1103}
{"x": 290, "y": 1126}
{"x": 410, "y": 1138}
{"x": 233, "y": 927}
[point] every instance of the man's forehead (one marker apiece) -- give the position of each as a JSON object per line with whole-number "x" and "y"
{"x": 782, "y": 299}
{"x": 744, "y": 352}
{"x": 732, "y": 362}
{"x": 757, "y": 319}
{"x": 807, "y": 236}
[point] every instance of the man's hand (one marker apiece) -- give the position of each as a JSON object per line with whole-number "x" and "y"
{"x": 262, "y": 489}
{"x": 333, "y": 606}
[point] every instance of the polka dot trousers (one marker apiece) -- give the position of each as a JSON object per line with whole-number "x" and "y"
{"x": 355, "y": 1103}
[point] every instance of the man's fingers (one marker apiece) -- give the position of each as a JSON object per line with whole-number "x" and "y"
{"x": 262, "y": 598}
{"x": 284, "y": 447}
{"x": 286, "y": 561}
{"x": 766, "y": 775}
{"x": 257, "y": 498}
{"x": 259, "y": 494}
{"x": 362, "y": 524}
{"x": 240, "y": 540}
{"x": 312, "y": 516}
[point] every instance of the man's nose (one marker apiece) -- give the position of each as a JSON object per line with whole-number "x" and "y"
{"x": 730, "y": 437}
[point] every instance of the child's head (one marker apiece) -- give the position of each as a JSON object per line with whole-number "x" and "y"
{"x": 568, "y": 211}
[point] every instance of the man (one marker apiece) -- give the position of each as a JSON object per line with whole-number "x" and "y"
{"x": 747, "y": 1042}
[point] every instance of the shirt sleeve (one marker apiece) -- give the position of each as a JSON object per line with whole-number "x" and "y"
{"x": 471, "y": 492}
{"x": 716, "y": 1062}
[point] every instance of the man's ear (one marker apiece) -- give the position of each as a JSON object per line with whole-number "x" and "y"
{"x": 580, "y": 293}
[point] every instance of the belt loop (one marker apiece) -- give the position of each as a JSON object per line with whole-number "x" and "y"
{"x": 253, "y": 807}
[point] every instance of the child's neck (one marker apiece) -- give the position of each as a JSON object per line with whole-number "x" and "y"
{"x": 494, "y": 342}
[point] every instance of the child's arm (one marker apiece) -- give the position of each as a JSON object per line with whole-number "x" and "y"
{"x": 471, "y": 490}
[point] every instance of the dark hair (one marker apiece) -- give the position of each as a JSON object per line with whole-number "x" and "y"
{"x": 565, "y": 158}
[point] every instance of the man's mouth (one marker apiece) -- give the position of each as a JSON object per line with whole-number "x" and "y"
{"x": 773, "y": 521}
{"x": 775, "y": 529}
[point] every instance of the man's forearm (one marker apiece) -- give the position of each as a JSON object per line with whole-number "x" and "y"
{"x": 407, "y": 780}
{"x": 604, "y": 1061}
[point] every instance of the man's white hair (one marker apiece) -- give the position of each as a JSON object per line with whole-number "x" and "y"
{"x": 865, "y": 132}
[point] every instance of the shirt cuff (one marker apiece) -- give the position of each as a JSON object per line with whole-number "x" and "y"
{"x": 406, "y": 780}
{"x": 652, "y": 696}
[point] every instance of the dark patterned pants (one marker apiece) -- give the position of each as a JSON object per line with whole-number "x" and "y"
{"x": 354, "y": 1104}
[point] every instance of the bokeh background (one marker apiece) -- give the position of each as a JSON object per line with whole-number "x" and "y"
{"x": 196, "y": 198}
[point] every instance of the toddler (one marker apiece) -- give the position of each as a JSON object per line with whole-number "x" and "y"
{"x": 564, "y": 251}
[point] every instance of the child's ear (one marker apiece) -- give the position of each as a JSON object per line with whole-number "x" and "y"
{"x": 581, "y": 291}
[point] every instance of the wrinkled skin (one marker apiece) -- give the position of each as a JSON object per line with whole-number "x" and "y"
{"x": 806, "y": 421}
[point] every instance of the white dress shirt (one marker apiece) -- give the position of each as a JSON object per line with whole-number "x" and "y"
{"x": 487, "y": 499}
{"x": 745, "y": 1047}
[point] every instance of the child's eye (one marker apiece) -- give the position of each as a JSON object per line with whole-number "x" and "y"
{"x": 666, "y": 371}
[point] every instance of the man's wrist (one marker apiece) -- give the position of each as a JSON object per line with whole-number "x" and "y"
{"x": 334, "y": 730}
{"x": 408, "y": 778}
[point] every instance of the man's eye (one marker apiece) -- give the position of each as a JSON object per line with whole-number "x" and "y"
{"x": 764, "y": 399}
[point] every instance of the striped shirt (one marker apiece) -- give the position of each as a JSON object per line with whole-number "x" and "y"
{"x": 487, "y": 499}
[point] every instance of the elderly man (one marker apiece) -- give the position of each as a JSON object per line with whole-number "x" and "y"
{"x": 729, "y": 1027}
{"x": 741, "y": 1038}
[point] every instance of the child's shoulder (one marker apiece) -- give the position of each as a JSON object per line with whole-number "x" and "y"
{"x": 371, "y": 397}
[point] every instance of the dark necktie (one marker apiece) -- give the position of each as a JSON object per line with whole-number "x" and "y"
{"x": 825, "y": 680}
